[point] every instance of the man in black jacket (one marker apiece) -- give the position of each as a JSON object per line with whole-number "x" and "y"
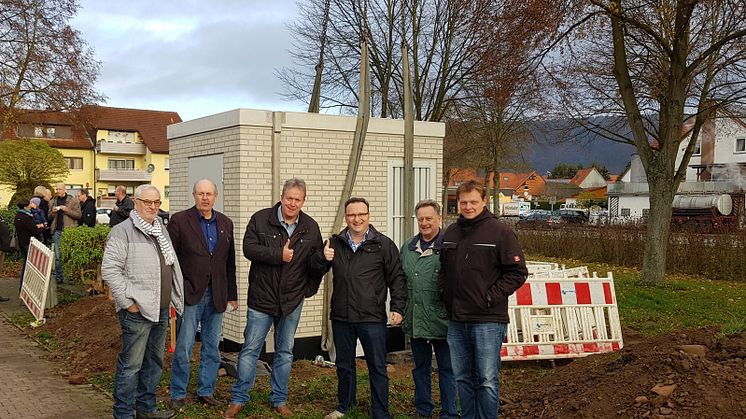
{"x": 279, "y": 242}
{"x": 87, "y": 208}
{"x": 122, "y": 208}
{"x": 366, "y": 265}
{"x": 481, "y": 265}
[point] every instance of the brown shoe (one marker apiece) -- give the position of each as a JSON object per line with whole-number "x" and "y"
{"x": 283, "y": 410}
{"x": 232, "y": 411}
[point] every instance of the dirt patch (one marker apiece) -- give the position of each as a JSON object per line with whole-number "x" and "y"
{"x": 620, "y": 384}
{"x": 647, "y": 378}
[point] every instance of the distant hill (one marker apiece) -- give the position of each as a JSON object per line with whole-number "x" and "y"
{"x": 556, "y": 145}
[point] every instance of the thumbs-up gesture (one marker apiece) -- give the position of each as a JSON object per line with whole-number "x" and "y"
{"x": 328, "y": 251}
{"x": 287, "y": 252}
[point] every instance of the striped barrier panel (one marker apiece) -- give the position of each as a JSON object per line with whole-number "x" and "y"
{"x": 577, "y": 272}
{"x": 534, "y": 266}
{"x": 36, "y": 278}
{"x": 562, "y": 318}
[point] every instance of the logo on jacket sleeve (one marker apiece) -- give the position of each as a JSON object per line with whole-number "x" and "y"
{"x": 516, "y": 258}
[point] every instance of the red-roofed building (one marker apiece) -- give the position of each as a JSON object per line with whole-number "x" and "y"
{"x": 588, "y": 178}
{"x": 528, "y": 186}
{"x": 105, "y": 147}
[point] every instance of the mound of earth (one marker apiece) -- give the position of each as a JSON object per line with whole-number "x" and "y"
{"x": 691, "y": 374}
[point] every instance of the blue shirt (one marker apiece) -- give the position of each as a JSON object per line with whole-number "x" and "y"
{"x": 209, "y": 230}
{"x": 290, "y": 228}
{"x": 352, "y": 244}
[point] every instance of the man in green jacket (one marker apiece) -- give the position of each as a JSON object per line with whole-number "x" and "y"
{"x": 426, "y": 319}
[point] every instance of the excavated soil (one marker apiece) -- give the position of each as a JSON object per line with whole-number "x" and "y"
{"x": 649, "y": 378}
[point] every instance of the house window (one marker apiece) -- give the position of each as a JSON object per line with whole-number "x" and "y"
{"x": 121, "y": 164}
{"x": 625, "y": 212}
{"x": 645, "y": 212}
{"x": 424, "y": 188}
{"x": 166, "y": 163}
{"x": 38, "y": 132}
{"x": 698, "y": 148}
{"x": 74, "y": 163}
{"x": 166, "y": 191}
{"x": 51, "y": 132}
{"x": 740, "y": 145}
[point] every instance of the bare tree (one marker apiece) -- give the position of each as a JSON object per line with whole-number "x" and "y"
{"x": 666, "y": 66}
{"x": 442, "y": 36}
{"x": 44, "y": 63}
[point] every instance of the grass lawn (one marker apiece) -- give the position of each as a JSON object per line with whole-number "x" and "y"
{"x": 683, "y": 302}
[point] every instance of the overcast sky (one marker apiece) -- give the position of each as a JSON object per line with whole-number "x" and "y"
{"x": 194, "y": 57}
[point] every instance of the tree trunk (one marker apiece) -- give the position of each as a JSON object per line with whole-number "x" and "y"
{"x": 658, "y": 229}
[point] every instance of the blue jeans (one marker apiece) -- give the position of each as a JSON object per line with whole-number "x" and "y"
{"x": 475, "y": 356}
{"x": 139, "y": 364}
{"x": 58, "y": 272}
{"x": 209, "y": 355}
{"x": 422, "y": 354}
{"x": 373, "y": 339}
{"x": 254, "y": 335}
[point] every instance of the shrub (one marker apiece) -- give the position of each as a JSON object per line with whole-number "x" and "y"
{"x": 82, "y": 248}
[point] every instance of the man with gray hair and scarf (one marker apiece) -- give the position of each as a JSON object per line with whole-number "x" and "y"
{"x": 143, "y": 273}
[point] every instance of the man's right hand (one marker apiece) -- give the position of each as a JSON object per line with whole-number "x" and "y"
{"x": 328, "y": 251}
{"x": 133, "y": 308}
{"x": 287, "y": 252}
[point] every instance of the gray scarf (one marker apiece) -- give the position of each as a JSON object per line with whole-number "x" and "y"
{"x": 156, "y": 230}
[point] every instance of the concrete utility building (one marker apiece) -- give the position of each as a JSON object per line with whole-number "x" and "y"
{"x": 238, "y": 149}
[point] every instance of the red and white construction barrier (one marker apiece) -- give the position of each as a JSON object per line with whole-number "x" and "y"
{"x": 36, "y": 278}
{"x": 561, "y": 317}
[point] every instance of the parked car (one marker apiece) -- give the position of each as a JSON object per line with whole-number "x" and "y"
{"x": 102, "y": 215}
{"x": 573, "y": 216}
{"x": 536, "y": 217}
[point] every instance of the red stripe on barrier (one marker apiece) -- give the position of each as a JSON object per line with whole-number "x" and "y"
{"x": 561, "y": 348}
{"x": 614, "y": 346}
{"x": 503, "y": 351}
{"x": 583, "y": 292}
{"x": 554, "y": 294}
{"x": 590, "y": 347}
{"x": 523, "y": 295}
{"x": 530, "y": 350}
{"x": 607, "y": 293}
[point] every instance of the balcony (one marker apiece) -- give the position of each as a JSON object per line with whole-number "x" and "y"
{"x": 120, "y": 148}
{"x": 123, "y": 175}
{"x": 642, "y": 188}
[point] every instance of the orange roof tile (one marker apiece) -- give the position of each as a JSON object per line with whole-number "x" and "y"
{"x": 581, "y": 175}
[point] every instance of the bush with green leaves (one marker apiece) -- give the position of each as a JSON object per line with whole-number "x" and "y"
{"x": 82, "y": 248}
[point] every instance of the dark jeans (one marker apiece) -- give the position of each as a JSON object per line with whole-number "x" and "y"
{"x": 373, "y": 339}
{"x": 422, "y": 354}
{"x": 59, "y": 273}
{"x": 140, "y": 363}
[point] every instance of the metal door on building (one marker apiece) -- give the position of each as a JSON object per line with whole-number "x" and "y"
{"x": 207, "y": 167}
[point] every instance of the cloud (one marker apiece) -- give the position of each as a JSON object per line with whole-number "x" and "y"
{"x": 192, "y": 56}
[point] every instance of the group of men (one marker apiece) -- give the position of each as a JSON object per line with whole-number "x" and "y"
{"x": 449, "y": 289}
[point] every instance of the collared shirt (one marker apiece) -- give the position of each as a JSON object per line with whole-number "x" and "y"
{"x": 209, "y": 230}
{"x": 352, "y": 244}
{"x": 290, "y": 228}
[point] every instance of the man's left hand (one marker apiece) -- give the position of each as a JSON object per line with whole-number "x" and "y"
{"x": 234, "y": 305}
{"x": 394, "y": 318}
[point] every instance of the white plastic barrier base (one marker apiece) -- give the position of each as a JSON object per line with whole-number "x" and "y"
{"x": 562, "y": 318}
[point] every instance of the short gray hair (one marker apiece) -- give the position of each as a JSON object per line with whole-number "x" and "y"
{"x": 294, "y": 183}
{"x": 428, "y": 203}
{"x": 142, "y": 188}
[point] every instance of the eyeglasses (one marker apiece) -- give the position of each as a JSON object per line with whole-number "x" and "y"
{"x": 150, "y": 203}
{"x": 358, "y": 215}
{"x": 204, "y": 194}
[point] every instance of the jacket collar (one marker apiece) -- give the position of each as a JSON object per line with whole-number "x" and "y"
{"x": 414, "y": 242}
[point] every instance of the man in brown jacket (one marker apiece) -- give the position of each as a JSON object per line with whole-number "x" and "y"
{"x": 203, "y": 240}
{"x": 64, "y": 212}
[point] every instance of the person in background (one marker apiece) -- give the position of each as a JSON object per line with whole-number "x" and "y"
{"x": 4, "y": 248}
{"x": 26, "y": 228}
{"x": 40, "y": 219}
{"x": 122, "y": 208}
{"x": 64, "y": 213}
{"x": 87, "y": 208}
{"x": 44, "y": 196}
{"x": 142, "y": 270}
{"x": 426, "y": 321}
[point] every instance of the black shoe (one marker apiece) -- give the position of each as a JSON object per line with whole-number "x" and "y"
{"x": 162, "y": 414}
{"x": 3, "y": 299}
{"x": 210, "y": 401}
{"x": 178, "y": 404}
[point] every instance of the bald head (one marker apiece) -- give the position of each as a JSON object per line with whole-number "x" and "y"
{"x": 205, "y": 192}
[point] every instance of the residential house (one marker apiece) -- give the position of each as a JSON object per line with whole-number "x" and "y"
{"x": 588, "y": 178}
{"x": 526, "y": 186}
{"x": 105, "y": 147}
